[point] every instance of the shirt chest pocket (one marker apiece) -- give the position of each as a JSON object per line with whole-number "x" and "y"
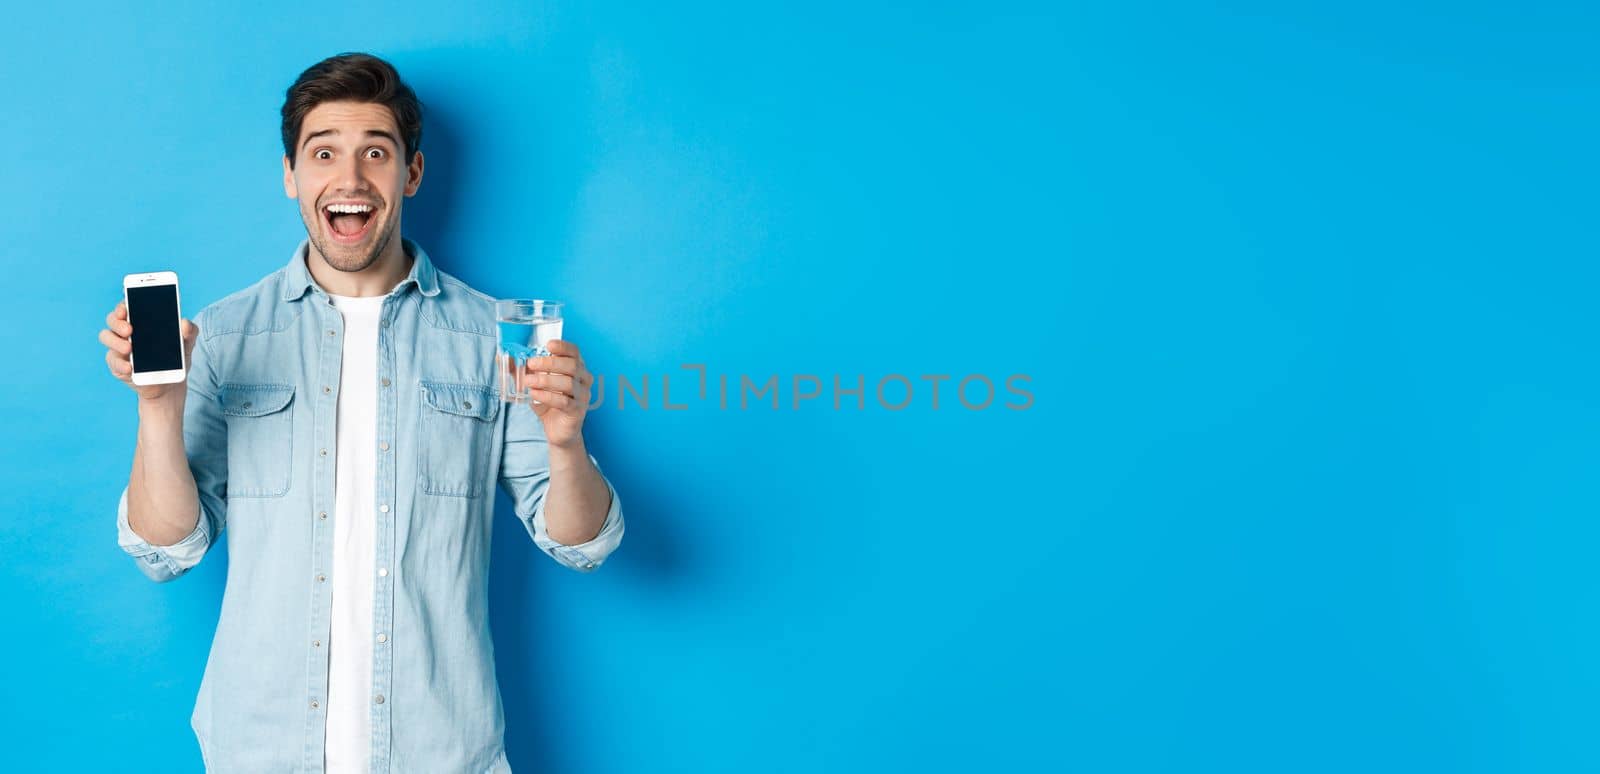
{"x": 260, "y": 438}
{"x": 456, "y": 427}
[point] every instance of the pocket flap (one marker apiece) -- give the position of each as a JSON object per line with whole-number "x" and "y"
{"x": 254, "y": 400}
{"x": 468, "y": 400}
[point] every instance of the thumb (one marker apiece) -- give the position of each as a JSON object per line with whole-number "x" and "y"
{"x": 191, "y": 332}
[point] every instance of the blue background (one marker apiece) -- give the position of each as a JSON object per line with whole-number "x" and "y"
{"x": 1306, "y": 297}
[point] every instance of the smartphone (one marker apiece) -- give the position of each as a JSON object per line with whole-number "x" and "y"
{"x": 157, "y": 339}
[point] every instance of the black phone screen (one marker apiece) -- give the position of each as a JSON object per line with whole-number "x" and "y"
{"x": 153, "y": 313}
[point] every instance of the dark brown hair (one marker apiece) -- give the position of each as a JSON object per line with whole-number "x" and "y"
{"x": 353, "y": 77}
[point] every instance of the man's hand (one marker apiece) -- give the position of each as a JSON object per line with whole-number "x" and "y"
{"x": 561, "y": 384}
{"x": 118, "y": 335}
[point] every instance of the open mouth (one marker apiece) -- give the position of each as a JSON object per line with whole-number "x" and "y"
{"x": 349, "y": 222}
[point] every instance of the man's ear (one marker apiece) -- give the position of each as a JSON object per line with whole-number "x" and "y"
{"x": 288, "y": 180}
{"x": 414, "y": 174}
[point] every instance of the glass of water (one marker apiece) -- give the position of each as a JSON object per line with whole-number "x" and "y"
{"x": 526, "y": 327}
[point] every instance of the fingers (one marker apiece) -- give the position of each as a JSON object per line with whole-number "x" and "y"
{"x": 563, "y": 348}
{"x": 120, "y": 366}
{"x": 553, "y": 399}
{"x": 560, "y": 381}
{"x": 115, "y": 343}
{"x": 552, "y": 382}
{"x": 117, "y": 321}
{"x": 559, "y": 365}
{"x": 115, "y": 336}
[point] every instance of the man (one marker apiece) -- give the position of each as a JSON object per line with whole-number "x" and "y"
{"x": 342, "y": 419}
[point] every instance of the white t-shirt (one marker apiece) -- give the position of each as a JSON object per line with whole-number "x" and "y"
{"x": 349, "y": 740}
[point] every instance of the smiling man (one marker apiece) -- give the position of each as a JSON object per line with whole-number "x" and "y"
{"x": 342, "y": 422}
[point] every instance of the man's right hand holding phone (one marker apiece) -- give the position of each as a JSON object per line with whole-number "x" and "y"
{"x": 118, "y": 335}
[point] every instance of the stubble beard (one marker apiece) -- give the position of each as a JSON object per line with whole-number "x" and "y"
{"x": 328, "y": 255}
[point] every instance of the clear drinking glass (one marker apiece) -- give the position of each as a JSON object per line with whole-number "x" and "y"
{"x": 526, "y": 327}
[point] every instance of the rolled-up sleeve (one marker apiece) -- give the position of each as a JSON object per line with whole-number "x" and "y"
{"x": 205, "y": 441}
{"x": 582, "y": 557}
{"x": 163, "y": 563}
{"x": 525, "y": 476}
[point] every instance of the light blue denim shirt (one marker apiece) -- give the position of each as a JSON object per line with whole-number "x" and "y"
{"x": 258, "y": 428}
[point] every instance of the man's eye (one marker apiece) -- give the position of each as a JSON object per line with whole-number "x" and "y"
{"x": 378, "y": 151}
{"x": 324, "y": 154}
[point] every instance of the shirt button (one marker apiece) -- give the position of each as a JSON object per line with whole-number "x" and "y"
{"x": 466, "y": 404}
{"x": 322, "y": 452}
{"x": 383, "y": 638}
{"x": 384, "y": 507}
{"x": 326, "y": 390}
{"x": 384, "y": 445}
{"x": 246, "y": 405}
{"x": 314, "y": 704}
{"x": 386, "y": 382}
{"x": 383, "y": 572}
{"x": 322, "y": 515}
{"x": 379, "y": 699}
{"x": 321, "y": 578}
{"x": 330, "y": 333}
{"x": 384, "y": 323}
{"x": 316, "y": 643}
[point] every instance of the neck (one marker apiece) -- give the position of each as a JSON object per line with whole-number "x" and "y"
{"x": 377, "y": 279}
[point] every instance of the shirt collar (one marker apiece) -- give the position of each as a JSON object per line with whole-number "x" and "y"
{"x": 297, "y": 278}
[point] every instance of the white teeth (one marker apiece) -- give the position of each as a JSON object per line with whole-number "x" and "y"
{"x": 349, "y": 208}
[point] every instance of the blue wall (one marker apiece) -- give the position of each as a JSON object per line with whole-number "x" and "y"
{"x": 1306, "y": 299}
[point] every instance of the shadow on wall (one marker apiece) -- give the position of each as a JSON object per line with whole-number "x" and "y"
{"x": 649, "y": 558}
{"x": 427, "y": 214}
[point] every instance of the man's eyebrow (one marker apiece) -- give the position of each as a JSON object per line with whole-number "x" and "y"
{"x": 370, "y": 133}
{"x": 315, "y": 135}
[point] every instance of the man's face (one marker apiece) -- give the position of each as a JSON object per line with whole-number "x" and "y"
{"x": 349, "y": 158}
